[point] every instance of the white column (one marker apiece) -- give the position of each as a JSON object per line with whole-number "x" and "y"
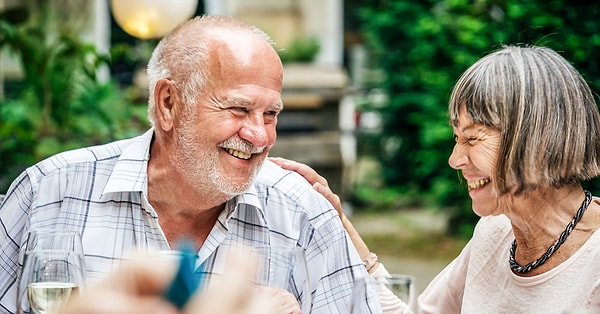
{"x": 321, "y": 18}
{"x": 324, "y": 19}
{"x": 334, "y": 42}
{"x": 101, "y": 34}
{"x": 215, "y": 7}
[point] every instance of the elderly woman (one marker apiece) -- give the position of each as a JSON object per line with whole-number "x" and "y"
{"x": 527, "y": 134}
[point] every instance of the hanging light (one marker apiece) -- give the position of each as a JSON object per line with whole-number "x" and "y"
{"x": 151, "y": 18}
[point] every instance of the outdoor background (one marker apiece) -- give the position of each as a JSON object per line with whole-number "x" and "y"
{"x": 400, "y": 59}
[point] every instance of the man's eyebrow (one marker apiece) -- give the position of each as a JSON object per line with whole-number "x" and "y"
{"x": 244, "y": 102}
{"x": 235, "y": 102}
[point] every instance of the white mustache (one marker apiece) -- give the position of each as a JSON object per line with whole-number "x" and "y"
{"x": 242, "y": 145}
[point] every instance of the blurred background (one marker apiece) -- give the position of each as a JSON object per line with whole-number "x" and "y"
{"x": 366, "y": 84}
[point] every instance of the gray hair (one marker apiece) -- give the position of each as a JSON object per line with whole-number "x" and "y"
{"x": 183, "y": 56}
{"x": 544, "y": 110}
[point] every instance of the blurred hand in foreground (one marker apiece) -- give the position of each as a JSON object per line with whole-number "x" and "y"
{"x": 138, "y": 288}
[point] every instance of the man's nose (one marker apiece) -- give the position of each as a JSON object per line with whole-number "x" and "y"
{"x": 255, "y": 132}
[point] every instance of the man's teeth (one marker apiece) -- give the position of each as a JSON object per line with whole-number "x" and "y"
{"x": 238, "y": 153}
{"x": 475, "y": 184}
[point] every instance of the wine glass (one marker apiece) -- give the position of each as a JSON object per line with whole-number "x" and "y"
{"x": 54, "y": 239}
{"x": 403, "y": 286}
{"x": 45, "y": 240}
{"x": 285, "y": 267}
{"x": 49, "y": 279}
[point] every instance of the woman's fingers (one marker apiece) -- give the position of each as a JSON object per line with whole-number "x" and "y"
{"x": 318, "y": 182}
{"x": 307, "y": 172}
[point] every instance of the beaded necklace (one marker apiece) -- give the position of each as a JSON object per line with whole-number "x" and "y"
{"x": 563, "y": 236}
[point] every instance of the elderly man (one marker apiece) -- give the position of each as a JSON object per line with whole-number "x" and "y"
{"x": 199, "y": 173}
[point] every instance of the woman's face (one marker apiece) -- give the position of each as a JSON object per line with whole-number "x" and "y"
{"x": 475, "y": 154}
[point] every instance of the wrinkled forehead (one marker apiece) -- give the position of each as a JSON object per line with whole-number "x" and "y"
{"x": 461, "y": 113}
{"x": 479, "y": 114}
{"x": 459, "y": 116}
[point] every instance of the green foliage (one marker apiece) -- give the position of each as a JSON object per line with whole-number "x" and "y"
{"x": 423, "y": 46}
{"x": 301, "y": 49}
{"x": 59, "y": 104}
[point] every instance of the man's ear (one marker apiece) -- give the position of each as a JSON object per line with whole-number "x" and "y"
{"x": 165, "y": 95}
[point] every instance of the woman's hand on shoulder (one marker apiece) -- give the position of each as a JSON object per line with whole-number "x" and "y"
{"x": 318, "y": 182}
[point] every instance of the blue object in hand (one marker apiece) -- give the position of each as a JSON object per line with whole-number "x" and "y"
{"x": 185, "y": 282}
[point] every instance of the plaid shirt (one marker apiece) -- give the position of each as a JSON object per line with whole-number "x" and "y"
{"x": 101, "y": 191}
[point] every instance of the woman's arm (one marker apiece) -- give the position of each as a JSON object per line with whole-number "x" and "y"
{"x": 320, "y": 184}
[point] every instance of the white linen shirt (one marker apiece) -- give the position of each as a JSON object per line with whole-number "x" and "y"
{"x": 101, "y": 192}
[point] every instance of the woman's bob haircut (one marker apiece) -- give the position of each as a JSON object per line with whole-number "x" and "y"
{"x": 545, "y": 113}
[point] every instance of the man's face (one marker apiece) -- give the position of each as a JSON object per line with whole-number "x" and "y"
{"x": 224, "y": 138}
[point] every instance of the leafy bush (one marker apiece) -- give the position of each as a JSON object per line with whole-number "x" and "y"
{"x": 301, "y": 49}
{"x": 59, "y": 104}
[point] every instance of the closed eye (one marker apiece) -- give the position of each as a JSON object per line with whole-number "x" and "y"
{"x": 271, "y": 116}
{"x": 466, "y": 140}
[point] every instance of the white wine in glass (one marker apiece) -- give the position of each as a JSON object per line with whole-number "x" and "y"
{"x": 50, "y": 297}
{"x": 49, "y": 279}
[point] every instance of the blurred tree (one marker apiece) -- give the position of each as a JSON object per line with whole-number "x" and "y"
{"x": 423, "y": 46}
{"x": 59, "y": 103}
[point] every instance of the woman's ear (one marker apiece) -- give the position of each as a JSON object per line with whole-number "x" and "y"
{"x": 165, "y": 94}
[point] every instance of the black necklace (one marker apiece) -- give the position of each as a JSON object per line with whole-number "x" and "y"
{"x": 563, "y": 236}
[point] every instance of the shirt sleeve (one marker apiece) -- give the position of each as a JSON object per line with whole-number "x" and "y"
{"x": 14, "y": 212}
{"x": 332, "y": 257}
{"x": 445, "y": 292}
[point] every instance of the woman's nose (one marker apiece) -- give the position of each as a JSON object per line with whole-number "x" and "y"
{"x": 458, "y": 158}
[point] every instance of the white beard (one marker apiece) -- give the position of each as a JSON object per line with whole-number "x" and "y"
{"x": 199, "y": 165}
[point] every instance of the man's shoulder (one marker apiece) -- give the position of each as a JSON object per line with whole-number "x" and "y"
{"x": 80, "y": 157}
{"x": 275, "y": 185}
{"x": 284, "y": 193}
{"x": 271, "y": 175}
